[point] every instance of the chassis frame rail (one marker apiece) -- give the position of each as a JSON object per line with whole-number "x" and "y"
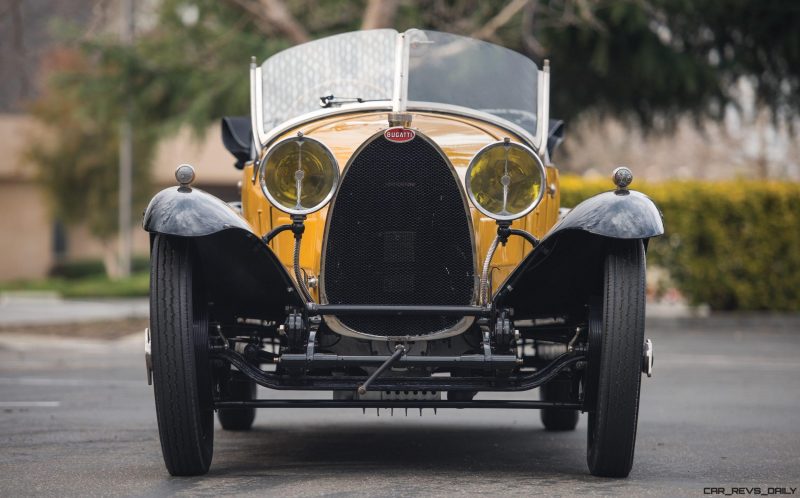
{"x": 321, "y": 360}
{"x": 328, "y": 403}
{"x": 315, "y": 309}
{"x": 299, "y": 381}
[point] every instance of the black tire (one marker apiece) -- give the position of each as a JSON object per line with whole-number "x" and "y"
{"x": 238, "y": 419}
{"x": 181, "y": 377}
{"x": 612, "y": 425}
{"x": 556, "y": 419}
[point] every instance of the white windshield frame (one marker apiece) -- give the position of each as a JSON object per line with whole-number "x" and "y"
{"x": 399, "y": 103}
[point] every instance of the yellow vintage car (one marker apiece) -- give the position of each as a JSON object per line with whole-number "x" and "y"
{"x": 399, "y": 244}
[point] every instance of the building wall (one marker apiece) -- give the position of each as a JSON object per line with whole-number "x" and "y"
{"x": 26, "y": 237}
{"x": 26, "y": 227}
{"x": 213, "y": 164}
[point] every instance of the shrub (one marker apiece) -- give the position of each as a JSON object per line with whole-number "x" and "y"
{"x": 78, "y": 269}
{"x": 84, "y": 268}
{"x": 140, "y": 264}
{"x": 734, "y": 245}
{"x": 93, "y": 286}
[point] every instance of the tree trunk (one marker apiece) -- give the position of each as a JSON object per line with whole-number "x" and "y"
{"x": 379, "y": 14}
{"x": 279, "y": 15}
{"x": 111, "y": 259}
{"x": 275, "y": 16}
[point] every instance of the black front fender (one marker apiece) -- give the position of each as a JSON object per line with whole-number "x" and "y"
{"x": 242, "y": 276}
{"x": 623, "y": 214}
{"x": 190, "y": 212}
{"x": 564, "y": 272}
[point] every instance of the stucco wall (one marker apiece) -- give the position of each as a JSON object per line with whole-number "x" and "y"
{"x": 25, "y": 232}
{"x": 26, "y": 228}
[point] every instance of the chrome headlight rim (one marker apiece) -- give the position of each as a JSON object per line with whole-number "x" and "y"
{"x": 533, "y": 205}
{"x": 263, "y": 177}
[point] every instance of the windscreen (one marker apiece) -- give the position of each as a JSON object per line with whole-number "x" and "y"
{"x": 358, "y": 65}
{"x": 456, "y": 70}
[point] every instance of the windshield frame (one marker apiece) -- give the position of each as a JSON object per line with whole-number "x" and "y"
{"x": 399, "y": 102}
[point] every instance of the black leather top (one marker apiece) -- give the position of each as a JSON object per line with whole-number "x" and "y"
{"x": 237, "y": 136}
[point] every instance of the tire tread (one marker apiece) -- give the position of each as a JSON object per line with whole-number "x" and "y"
{"x": 185, "y": 447}
{"x": 612, "y": 436}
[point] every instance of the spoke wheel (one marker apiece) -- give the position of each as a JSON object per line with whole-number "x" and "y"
{"x": 612, "y": 423}
{"x": 181, "y": 377}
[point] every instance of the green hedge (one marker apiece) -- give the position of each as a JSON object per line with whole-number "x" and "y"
{"x": 734, "y": 245}
{"x": 94, "y": 286}
{"x": 84, "y": 268}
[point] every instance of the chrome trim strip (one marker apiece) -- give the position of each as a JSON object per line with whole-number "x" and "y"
{"x": 262, "y": 135}
{"x": 543, "y": 121}
{"x": 254, "y": 104}
{"x": 539, "y": 105}
{"x": 400, "y": 89}
{"x": 462, "y": 325}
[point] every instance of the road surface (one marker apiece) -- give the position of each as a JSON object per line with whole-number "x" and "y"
{"x": 722, "y": 411}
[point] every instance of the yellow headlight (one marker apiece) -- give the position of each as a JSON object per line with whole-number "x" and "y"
{"x": 505, "y": 180}
{"x": 299, "y": 175}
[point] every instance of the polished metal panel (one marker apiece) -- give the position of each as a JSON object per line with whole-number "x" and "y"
{"x": 624, "y": 214}
{"x": 190, "y": 212}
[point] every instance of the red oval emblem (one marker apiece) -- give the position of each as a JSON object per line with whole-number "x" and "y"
{"x": 399, "y": 134}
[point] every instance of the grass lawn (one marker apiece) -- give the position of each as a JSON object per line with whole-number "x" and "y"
{"x": 138, "y": 284}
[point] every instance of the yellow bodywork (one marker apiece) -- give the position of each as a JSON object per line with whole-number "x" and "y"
{"x": 460, "y": 139}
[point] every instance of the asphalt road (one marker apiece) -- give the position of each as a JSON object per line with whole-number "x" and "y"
{"x": 723, "y": 410}
{"x": 43, "y": 308}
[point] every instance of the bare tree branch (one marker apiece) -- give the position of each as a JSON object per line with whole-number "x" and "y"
{"x": 98, "y": 21}
{"x": 528, "y": 38}
{"x": 279, "y": 15}
{"x": 489, "y": 29}
{"x": 276, "y": 15}
{"x": 379, "y": 14}
{"x": 20, "y": 52}
{"x": 586, "y": 14}
{"x": 263, "y": 25}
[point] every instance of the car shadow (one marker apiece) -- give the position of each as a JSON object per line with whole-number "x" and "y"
{"x": 353, "y": 449}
